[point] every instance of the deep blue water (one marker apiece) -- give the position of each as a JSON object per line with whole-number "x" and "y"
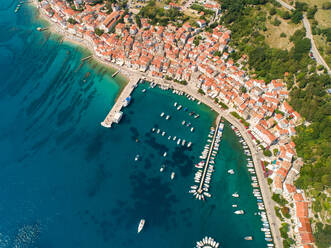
{"x": 65, "y": 181}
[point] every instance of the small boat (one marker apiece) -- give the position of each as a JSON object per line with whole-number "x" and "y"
{"x": 196, "y": 116}
{"x": 231, "y": 171}
{"x": 183, "y": 143}
{"x": 192, "y": 129}
{"x": 178, "y": 141}
{"x": 179, "y": 107}
{"x": 136, "y": 158}
{"x": 158, "y": 131}
{"x": 185, "y": 109}
{"x": 143, "y": 90}
{"x": 172, "y": 175}
{"x": 183, "y": 123}
{"x": 141, "y": 225}
{"x": 239, "y": 212}
{"x": 162, "y": 168}
{"x": 191, "y": 113}
{"x": 175, "y": 104}
{"x": 163, "y": 133}
{"x": 248, "y": 238}
{"x": 162, "y": 114}
{"x": 169, "y": 137}
{"x": 153, "y": 129}
{"x": 164, "y": 154}
{"x": 189, "y": 144}
{"x": 236, "y": 195}
{"x": 194, "y": 186}
{"x": 234, "y": 205}
{"x": 174, "y": 138}
{"x": 167, "y": 117}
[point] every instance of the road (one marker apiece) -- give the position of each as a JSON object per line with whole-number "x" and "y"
{"x": 309, "y": 35}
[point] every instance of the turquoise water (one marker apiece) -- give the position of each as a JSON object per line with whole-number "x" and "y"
{"x": 65, "y": 181}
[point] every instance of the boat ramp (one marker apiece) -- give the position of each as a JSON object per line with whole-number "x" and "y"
{"x": 115, "y": 114}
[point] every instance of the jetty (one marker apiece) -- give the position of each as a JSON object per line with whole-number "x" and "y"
{"x": 86, "y": 58}
{"x": 218, "y": 121}
{"x": 115, "y": 73}
{"x": 115, "y": 113}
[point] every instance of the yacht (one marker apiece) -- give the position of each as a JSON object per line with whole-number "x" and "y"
{"x": 192, "y": 129}
{"x": 236, "y": 195}
{"x": 172, "y": 175}
{"x": 248, "y": 238}
{"x": 141, "y": 225}
{"x": 162, "y": 114}
{"x": 164, "y": 154}
{"x": 239, "y": 212}
{"x": 136, "y": 157}
{"x": 231, "y": 171}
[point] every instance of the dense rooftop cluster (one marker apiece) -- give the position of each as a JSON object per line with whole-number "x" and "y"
{"x": 193, "y": 55}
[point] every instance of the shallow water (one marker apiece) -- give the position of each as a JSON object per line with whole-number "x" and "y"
{"x": 65, "y": 181}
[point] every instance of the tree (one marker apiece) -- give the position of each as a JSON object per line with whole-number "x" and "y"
{"x": 267, "y": 153}
{"x": 72, "y": 21}
{"x": 98, "y": 31}
{"x": 272, "y": 11}
{"x": 296, "y": 16}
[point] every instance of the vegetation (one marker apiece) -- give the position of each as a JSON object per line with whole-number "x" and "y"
{"x": 200, "y": 8}
{"x": 242, "y": 120}
{"x": 323, "y": 235}
{"x": 201, "y": 92}
{"x": 98, "y": 31}
{"x": 267, "y": 153}
{"x": 72, "y": 21}
{"x": 279, "y": 199}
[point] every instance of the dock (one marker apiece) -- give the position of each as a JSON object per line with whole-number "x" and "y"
{"x": 115, "y": 111}
{"x": 115, "y": 73}
{"x": 86, "y": 58}
{"x": 200, "y": 191}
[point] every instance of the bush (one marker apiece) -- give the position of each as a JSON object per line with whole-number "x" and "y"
{"x": 275, "y": 151}
{"x": 323, "y": 235}
{"x": 296, "y": 16}
{"x": 285, "y": 15}
{"x": 98, "y": 31}
{"x": 284, "y": 230}
{"x": 326, "y": 5}
{"x": 272, "y": 11}
{"x": 270, "y": 181}
{"x": 267, "y": 153}
{"x": 72, "y": 21}
{"x": 283, "y": 35}
{"x": 279, "y": 199}
{"x": 276, "y": 22}
{"x": 286, "y": 212}
{"x": 201, "y": 92}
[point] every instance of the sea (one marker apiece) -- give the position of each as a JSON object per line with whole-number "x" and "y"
{"x": 66, "y": 181}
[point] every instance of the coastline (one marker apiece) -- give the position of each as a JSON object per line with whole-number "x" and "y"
{"x": 128, "y": 73}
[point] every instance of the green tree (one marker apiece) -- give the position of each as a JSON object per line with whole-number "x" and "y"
{"x": 296, "y": 16}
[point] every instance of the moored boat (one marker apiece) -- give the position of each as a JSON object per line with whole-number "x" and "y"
{"x": 141, "y": 225}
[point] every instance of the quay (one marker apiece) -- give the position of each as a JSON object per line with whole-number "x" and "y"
{"x": 115, "y": 112}
{"x": 218, "y": 122}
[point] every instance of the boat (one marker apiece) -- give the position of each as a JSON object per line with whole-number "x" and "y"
{"x": 143, "y": 90}
{"x": 141, "y": 225}
{"x": 153, "y": 129}
{"x": 192, "y": 129}
{"x": 137, "y": 157}
{"x": 163, "y": 133}
{"x": 191, "y": 113}
{"x": 183, "y": 143}
{"x": 179, "y": 107}
{"x": 164, "y": 154}
{"x": 194, "y": 186}
{"x": 239, "y": 212}
{"x": 248, "y": 238}
{"x": 196, "y": 116}
{"x": 158, "y": 131}
{"x": 162, "y": 114}
{"x": 175, "y": 104}
{"x": 167, "y": 117}
{"x": 231, "y": 171}
{"x": 127, "y": 101}
{"x": 174, "y": 138}
{"x": 172, "y": 175}
{"x": 234, "y": 205}
{"x": 236, "y": 195}
{"x": 162, "y": 168}
{"x": 178, "y": 141}
{"x": 183, "y": 123}
{"x": 189, "y": 144}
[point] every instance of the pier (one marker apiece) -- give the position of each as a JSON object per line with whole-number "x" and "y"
{"x": 115, "y": 112}
{"x": 218, "y": 121}
{"x": 86, "y": 58}
{"x": 115, "y": 73}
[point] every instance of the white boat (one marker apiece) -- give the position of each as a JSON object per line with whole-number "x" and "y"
{"x": 141, "y": 225}
{"x": 163, "y": 133}
{"x": 194, "y": 186}
{"x": 158, "y": 131}
{"x": 231, "y": 171}
{"x": 172, "y": 175}
{"x": 175, "y": 104}
{"x": 236, "y": 195}
{"x": 239, "y": 212}
{"x": 169, "y": 137}
{"x": 162, "y": 114}
{"x": 192, "y": 129}
{"x": 183, "y": 143}
{"x": 153, "y": 129}
{"x": 164, "y": 154}
{"x": 189, "y": 144}
{"x": 162, "y": 168}
{"x": 178, "y": 141}
{"x": 248, "y": 238}
{"x": 175, "y": 137}
{"x": 136, "y": 157}
{"x": 179, "y": 107}
{"x": 167, "y": 117}
{"x": 183, "y": 122}
{"x": 234, "y": 205}
{"x": 143, "y": 90}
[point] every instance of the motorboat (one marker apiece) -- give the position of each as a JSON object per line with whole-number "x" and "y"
{"x": 169, "y": 137}
{"x": 234, "y": 205}
{"x": 153, "y": 129}
{"x": 183, "y": 123}
{"x": 143, "y": 90}
{"x": 141, "y": 225}
{"x": 174, "y": 138}
{"x": 175, "y": 104}
{"x": 162, "y": 168}
{"x": 167, "y": 117}
{"x": 183, "y": 143}
{"x": 239, "y": 212}
{"x": 178, "y": 141}
{"x": 164, "y": 154}
{"x": 136, "y": 158}
{"x": 235, "y": 195}
{"x": 179, "y": 107}
{"x": 231, "y": 171}
{"x": 248, "y": 238}
{"x": 172, "y": 175}
{"x": 189, "y": 144}
{"x": 162, "y": 114}
{"x": 192, "y": 129}
{"x": 163, "y": 133}
{"x": 158, "y": 131}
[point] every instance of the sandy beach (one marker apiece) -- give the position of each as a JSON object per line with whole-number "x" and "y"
{"x": 131, "y": 74}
